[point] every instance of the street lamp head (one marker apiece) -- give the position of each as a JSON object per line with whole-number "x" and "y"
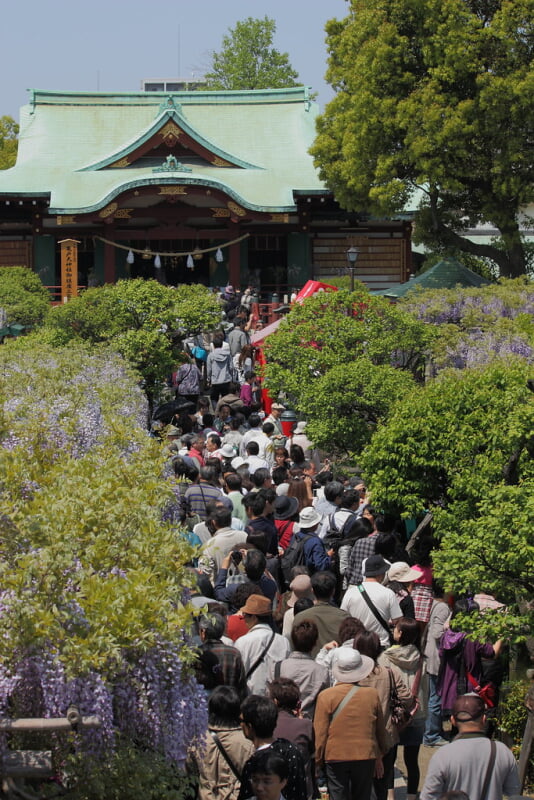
{"x": 352, "y": 255}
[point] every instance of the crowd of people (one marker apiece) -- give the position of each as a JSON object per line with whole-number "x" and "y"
{"x": 325, "y": 645}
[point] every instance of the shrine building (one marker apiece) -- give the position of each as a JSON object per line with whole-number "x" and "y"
{"x": 205, "y": 186}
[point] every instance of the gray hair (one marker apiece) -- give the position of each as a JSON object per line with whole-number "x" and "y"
{"x": 213, "y": 625}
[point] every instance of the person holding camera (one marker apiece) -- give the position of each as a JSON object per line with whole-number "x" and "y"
{"x": 255, "y": 566}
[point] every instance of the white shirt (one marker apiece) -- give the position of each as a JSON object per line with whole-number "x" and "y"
{"x": 251, "y": 646}
{"x": 381, "y": 597}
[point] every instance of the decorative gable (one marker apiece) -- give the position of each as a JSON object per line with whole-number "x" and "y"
{"x": 170, "y": 135}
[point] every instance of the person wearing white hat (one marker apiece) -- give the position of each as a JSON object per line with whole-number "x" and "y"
{"x": 350, "y": 734}
{"x": 400, "y": 578}
{"x": 315, "y": 555}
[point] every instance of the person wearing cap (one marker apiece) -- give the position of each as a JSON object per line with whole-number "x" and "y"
{"x": 261, "y": 646}
{"x": 400, "y": 579}
{"x": 279, "y": 438}
{"x": 386, "y": 606}
{"x": 471, "y": 761}
{"x": 300, "y": 437}
{"x": 300, "y": 587}
{"x": 350, "y": 734}
{"x": 315, "y": 555}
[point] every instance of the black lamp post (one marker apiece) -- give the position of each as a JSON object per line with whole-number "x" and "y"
{"x": 352, "y": 258}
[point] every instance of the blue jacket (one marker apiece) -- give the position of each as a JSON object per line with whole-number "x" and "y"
{"x": 315, "y": 555}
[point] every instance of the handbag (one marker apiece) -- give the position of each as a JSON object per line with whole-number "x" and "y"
{"x": 401, "y": 717}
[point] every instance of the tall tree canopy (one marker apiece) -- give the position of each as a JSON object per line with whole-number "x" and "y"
{"x": 434, "y": 96}
{"x": 9, "y": 131}
{"x": 247, "y": 59}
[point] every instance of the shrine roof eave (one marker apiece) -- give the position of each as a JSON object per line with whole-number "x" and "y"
{"x": 168, "y": 181}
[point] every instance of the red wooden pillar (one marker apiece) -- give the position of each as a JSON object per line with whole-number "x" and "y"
{"x": 109, "y": 263}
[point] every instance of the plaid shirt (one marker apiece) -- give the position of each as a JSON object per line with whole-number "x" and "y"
{"x": 230, "y": 665}
{"x": 363, "y": 548}
{"x": 422, "y": 600}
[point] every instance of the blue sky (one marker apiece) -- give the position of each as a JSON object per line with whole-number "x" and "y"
{"x": 112, "y": 45}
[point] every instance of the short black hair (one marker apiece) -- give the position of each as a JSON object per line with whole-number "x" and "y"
{"x": 323, "y": 584}
{"x": 254, "y": 420}
{"x": 252, "y": 448}
{"x": 261, "y": 714}
{"x": 223, "y": 707}
{"x": 233, "y": 481}
{"x": 255, "y": 564}
{"x": 268, "y": 762}
{"x": 222, "y": 517}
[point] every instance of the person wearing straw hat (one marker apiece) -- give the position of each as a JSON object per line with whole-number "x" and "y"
{"x": 350, "y": 734}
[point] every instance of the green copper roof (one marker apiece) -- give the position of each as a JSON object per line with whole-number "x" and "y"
{"x": 446, "y": 274}
{"x": 69, "y": 142}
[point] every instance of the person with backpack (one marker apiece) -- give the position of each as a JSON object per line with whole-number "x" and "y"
{"x": 311, "y": 550}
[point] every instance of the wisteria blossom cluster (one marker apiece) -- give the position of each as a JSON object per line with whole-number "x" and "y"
{"x": 477, "y": 326}
{"x": 150, "y": 700}
{"x": 467, "y": 307}
{"x": 94, "y": 391}
{"x": 93, "y": 601}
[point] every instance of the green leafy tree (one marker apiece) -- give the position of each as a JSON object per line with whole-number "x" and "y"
{"x": 434, "y": 97}
{"x": 463, "y": 446}
{"x": 23, "y": 298}
{"x": 248, "y": 60}
{"x": 88, "y": 564}
{"x": 93, "y": 576}
{"x": 140, "y": 318}
{"x": 9, "y": 131}
{"x": 343, "y": 359}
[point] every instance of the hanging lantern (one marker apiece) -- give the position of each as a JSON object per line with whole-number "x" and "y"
{"x": 130, "y": 257}
{"x": 197, "y": 255}
{"x": 147, "y": 255}
{"x": 219, "y": 255}
{"x": 190, "y": 262}
{"x": 157, "y": 261}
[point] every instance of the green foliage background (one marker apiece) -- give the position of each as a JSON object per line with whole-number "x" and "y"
{"x": 248, "y": 60}
{"x": 88, "y": 565}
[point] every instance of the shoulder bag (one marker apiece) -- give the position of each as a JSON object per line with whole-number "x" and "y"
{"x": 258, "y": 661}
{"x": 376, "y": 613}
{"x": 225, "y": 754}
{"x": 344, "y": 702}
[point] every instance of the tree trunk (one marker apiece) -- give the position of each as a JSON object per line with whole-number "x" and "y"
{"x": 511, "y": 261}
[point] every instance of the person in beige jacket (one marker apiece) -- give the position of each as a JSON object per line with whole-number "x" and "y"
{"x": 218, "y": 780}
{"x": 407, "y": 657}
{"x": 350, "y": 735}
{"x": 384, "y": 679}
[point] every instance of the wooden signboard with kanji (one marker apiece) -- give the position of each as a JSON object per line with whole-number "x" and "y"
{"x": 69, "y": 269}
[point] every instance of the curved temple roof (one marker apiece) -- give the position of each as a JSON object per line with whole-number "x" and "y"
{"x": 84, "y": 149}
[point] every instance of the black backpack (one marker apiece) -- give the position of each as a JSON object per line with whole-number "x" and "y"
{"x": 293, "y": 556}
{"x": 335, "y": 537}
